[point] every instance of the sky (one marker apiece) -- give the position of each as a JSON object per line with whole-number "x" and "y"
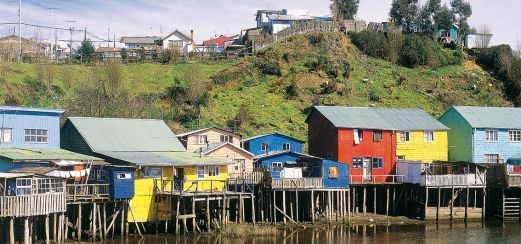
{"x": 210, "y": 17}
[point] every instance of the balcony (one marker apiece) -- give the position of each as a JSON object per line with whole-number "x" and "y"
{"x": 32, "y": 205}
{"x": 454, "y": 180}
{"x": 376, "y": 179}
{"x": 87, "y": 192}
{"x": 249, "y": 178}
{"x": 301, "y": 183}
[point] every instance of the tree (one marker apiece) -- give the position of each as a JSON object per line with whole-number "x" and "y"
{"x": 344, "y": 9}
{"x": 484, "y": 37}
{"x": 427, "y": 16}
{"x": 86, "y": 50}
{"x": 461, "y": 11}
{"x": 518, "y": 48}
{"x": 443, "y": 19}
{"x": 124, "y": 53}
{"x": 404, "y": 12}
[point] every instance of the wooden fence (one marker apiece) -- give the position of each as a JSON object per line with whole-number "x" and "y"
{"x": 32, "y": 205}
{"x": 251, "y": 178}
{"x": 514, "y": 180}
{"x": 301, "y": 183}
{"x": 87, "y": 192}
{"x": 454, "y": 180}
{"x": 376, "y": 179}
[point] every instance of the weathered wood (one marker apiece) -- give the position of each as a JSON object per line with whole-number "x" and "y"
{"x": 451, "y": 203}
{"x": 47, "y": 236}
{"x": 208, "y": 224}
{"x": 253, "y": 209}
{"x": 438, "y": 205}
{"x": 26, "y": 231}
{"x": 94, "y": 222}
{"x": 285, "y": 215}
{"x": 55, "y": 226}
{"x": 426, "y": 202}
{"x": 11, "y": 230}
{"x": 483, "y": 209}
{"x": 296, "y": 205}
{"x": 312, "y": 208}
{"x": 387, "y": 202}
{"x": 123, "y": 219}
{"x": 79, "y": 222}
{"x": 177, "y": 230}
{"x": 274, "y": 207}
{"x": 374, "y": 202}
{"x": 467, "y": 204}
{"x": 134, "y": 218}
{"x": 284, "y": 204}
{"x": 364, "y": 206}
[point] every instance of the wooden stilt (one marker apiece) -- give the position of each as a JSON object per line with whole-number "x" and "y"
{"x": 60, "y": 226}
{"x": 208, "y": 213}
{"x": 26, "y": 231}
{"x": 467, "y": 204}
{"x": 394, "y": 203}
{"x": 252, "y": 197}
{"x": 105, "y": 220}
{"x": 94, "y": 221}
{"x": 134, "y": 218}
{"x": 484, "y": 204}
{"x": 354, "y": 200}
{"x": 348, "y": 206}
{"x": 364, "y": 202}
{"x": 451, "y": 203}
{"x": 100, "y": 224}
{"x": 296, "y": 205}
{"x": 55, "y": 225}
{"x": 47, "y": 237}
{"x": 66, "y": 231}
{"x": 123, "y": 219}
{"x": 438, "y": 205}
{"x": 387, "y": 202}
{"x": 426, "y": 202}
{"x": 312, "y": 208}
{"x": 11, "y": 230}
{"x": 374, "y": 202}
{"x": 274, "y": 206}
{"x": 284, "y": 203}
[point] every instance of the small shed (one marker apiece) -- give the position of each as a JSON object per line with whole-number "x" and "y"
{"x": 119, "y": 178}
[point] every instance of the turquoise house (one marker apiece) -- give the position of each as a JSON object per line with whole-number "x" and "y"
{"x": 449, "y": 35}
{"x": 483, "y": 134}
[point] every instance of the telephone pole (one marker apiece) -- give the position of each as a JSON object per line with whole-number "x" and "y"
{"x": 20, "y": 30}
{"x": 53, "y": 37}
{"x": 71, "y": 28}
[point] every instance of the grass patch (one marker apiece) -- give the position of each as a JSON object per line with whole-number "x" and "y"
{"x": 243, "y": 230}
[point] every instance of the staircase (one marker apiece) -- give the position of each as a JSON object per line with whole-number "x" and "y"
{"x": 511, "y": 208}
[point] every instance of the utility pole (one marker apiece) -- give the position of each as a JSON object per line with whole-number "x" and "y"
{"x": 108, "y": 37}
{"x": 53, "y": 38}
{"x": 71, "y": 28}
{"x": 20, "y": 30}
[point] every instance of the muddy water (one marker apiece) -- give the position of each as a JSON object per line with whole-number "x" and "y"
{"x": 474, "y": 233}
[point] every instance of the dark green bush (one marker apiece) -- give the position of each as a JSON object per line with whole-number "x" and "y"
{"x": 415, "y": 51}
{"x": 269, "y": 67}
{"x": 371, "y": 43}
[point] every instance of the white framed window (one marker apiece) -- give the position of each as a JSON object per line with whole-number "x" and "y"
{"x": 401, "y": 157}
{"x": 405, "y": 136}
{"x": 24, "y": 186}
{"x": 92, "y": 175}
{"x": 514, "y": 136}
{"x": 213, "y": 171}
{"x": 428, "y": 136}
{"x": 491, "y": 158}
{"x": 124, "y": 176}
{"x": 36, "y": 136}
{"x": 226, "y": 138}
{"x": 201, "y": 139}
{"x": 286, "y": 147}
{"x": 378, "y": 163}
{"x": 358, "y": 163}
{"x": 276, "y": 165}
{"x": 200, "y": 172}
{"x": 237, "y": 164}
{"x": 491, "y": 136}
{"x": 101, "y": 175}
{"x": 175, "y": 43}
{"x": 6, "y": 135}
{"x": 377, "y": 136}
{"x": 49, "y": 185}
{"x": 150, "y": 172}
{"x": 264, "y": 146}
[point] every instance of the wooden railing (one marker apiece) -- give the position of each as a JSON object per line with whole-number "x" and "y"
{"x": 454, "y": 180}
{"x": 203, "y": 186}
{"x": 87, "y": 192}
{"x": 251, "y": 178}
{"x": 514, "y": 180}
{"x": 376, "y": 179}
{"x": 32, "y": 205}
{"x": 301, "y": 183}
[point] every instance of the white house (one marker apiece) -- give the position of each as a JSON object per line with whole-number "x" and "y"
{"x": 140, "y": 41}
{"x": 262, "y": 17}
{"x": 180, "y": 40}
{"x": 274, "y": 21}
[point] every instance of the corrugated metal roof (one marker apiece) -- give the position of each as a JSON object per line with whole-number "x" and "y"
{"x": 276, "y": 153}
{"x": 26, "y": 109}
{"x": 491, "y": 117}
{"x": 140, "y": 39}
{"x": 165, "y": 158}
{"x": 380, "y": 118}
{"x": 13, "y": 175}
{"x": 127, "y": 135}
{"x": 202, "y": 130}
{"x": 17, "y": 154}
{"x": 269, "y": 134}
{"x": 33, "y": 170}
{"x": 215, "y": 146}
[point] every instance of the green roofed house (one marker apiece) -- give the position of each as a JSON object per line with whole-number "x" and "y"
{"x": 160, "y": 160}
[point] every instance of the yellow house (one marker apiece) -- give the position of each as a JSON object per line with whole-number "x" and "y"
{"x": 426, "y": 146}
{"x": 158, "y": 156}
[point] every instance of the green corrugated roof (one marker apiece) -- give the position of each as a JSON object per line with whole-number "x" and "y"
{"x": 127, "y": 135}
{"x": 166, "y": 158}
{"x": 491, "y": 117}
{"x": 16, "y": 154}
{"x": 380, "y": 118}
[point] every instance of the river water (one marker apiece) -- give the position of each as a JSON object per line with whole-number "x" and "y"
{"x": 473, "y": 233}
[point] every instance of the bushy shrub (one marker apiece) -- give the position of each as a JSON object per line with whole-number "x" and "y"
{"x": 415, "y": 51}
{"x": 371, "y": 43}
{"x": 268, "y": 67}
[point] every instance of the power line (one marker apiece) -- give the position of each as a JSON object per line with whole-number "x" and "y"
{"x": 39, "y": 26}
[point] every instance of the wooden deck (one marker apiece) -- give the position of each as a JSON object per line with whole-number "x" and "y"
{"x": 250, "y": 178}
{"x": 376, "y": 179}
{"x": 87, "y": 192}
{"x": 32, "y": 205}
{"x": 463, "y": 180}
{"x": 203, "y": 187}
{"x": 302, "y": 183}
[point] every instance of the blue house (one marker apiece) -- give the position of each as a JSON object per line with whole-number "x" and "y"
{"x": 448, "y": 36}
{"x": 30, "y": 137}
{"x": 293, "y": 165}
{"x": 119, "y": 178}
{"x": 266, "y": 143}
{"x": 483, "y": 134}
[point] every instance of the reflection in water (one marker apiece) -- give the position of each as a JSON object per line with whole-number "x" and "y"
{"x": 429, "y": 233}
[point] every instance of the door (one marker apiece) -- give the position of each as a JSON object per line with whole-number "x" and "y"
{"x": 179, "y": 178}
{"x": 367, "y": 169}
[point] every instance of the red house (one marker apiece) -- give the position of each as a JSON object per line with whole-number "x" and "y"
{"x": 360, "y": 137}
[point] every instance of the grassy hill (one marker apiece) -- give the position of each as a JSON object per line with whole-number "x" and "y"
{"x": 275, "y": 89}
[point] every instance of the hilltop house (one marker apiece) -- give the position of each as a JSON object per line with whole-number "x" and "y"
{"x": 156, "y": 154}
{"x": 448, "y": 36}
{"x": 30, "y": 138}
{"x": 483, "y": 134}
{"x": 146, "y": 42}
{"x": 371, "y": 140}
{"x": 274, "y": 21}
{"x": 178, "y": 40}
{"x": 263, "y": 144}
{"x": 222, "y": 144}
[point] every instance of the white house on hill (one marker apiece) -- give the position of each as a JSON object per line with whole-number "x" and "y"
{"x": 180, "y": 40}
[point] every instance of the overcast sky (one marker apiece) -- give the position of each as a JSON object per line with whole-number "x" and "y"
{"x": 210, "y": 17}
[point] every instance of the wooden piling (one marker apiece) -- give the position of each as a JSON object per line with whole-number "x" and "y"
{"x": 47, "y": 237}
{"x": 348, "y": 206}
{"x": 467, "y": 204}
{"x": 354, "y": 200}
{"x": 312, "y": 208}
{"x": 177, "y": 230}
{"x": 298, "y": 203}
{"x": 387, "y": 202}
{"x": 374, "y": 201}
{"x": 451, "y": 203}
{"x": 253, "y": 209}
{"x": 11, "y": 230}
{"x": 483, "y": 207}
{"x": 123, "y": 211}
{"x": 426, "y": 202}
{"x": 438, "y": 205}
{"x": 284, "y": 204}
{"x": 55, "y": 225}
{"x": 364, "y": 202}
{"x": 274, "y": 207}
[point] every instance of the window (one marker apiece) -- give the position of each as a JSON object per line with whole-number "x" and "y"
{"x": 213, "y": 171}
{"x": 401, "y": 157}
{"x": 286, "y": 147}
{"x": 238, "y": 163}
{"x": 333, "y": 172}
{"x": 24, "y": 186}
{"x": 514, "y": 136}
{"x": 92, "y": 175}
{"x": 225, "y": 138}
{"x": 377, "y": 136}
{"x": 276, "y": 165}
{"x": 36, "y": 136}
{"x": 360, "y": 134}
{"x": 264, "y": 146}
{"x": 491, "y": 136}
{"x": 201, "y": 139}
{"x": 6, "y": 135}
{"x": 428, "y": 136}
{"x": 175, "y": 43}
{"x": 149, "y": 172}
{"x": 200, "y": 172}
{"x": 405, "y": 136}
{"x": 378, "y": 163}
{"x": 491, "y": 158}
{"x": 358, "y": 163}
{"x": 329, "y": 156}
{"x": 101, "y": 175}
{"x": 124, "y": 176}
{"x": 49, "y": 186}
